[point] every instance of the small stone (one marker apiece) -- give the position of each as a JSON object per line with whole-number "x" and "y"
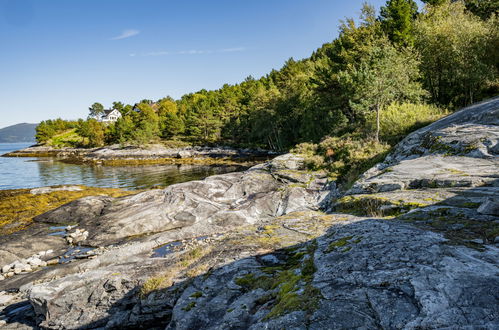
{"x": 17, "y": 270}
{"x": 2, "y": 277}
{"x": 34, "y": 262}
{"x": 52, "y": 262}
{"x": 49, "y": 251}
{"x": 6, "y": 268}
{"x": 9, "y": 274}
{"x": 2, "y": 323}
{"x": 43, "y": 264}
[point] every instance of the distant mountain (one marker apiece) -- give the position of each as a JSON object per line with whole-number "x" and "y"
{"x": 18, "y": 133}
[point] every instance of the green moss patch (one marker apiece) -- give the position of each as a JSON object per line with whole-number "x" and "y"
{"x": 289, "y": 285}
{"x": 374, "y": 206}
{"x": 456, "y": 227}
{"x": 18, "y": 207}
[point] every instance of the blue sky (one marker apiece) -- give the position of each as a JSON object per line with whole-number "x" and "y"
{"x": 57, "y": 57}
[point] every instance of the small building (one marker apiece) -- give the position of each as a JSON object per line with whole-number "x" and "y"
{"x": 110, "y": 116}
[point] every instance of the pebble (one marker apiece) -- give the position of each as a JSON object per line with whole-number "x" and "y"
{"x": 2, "y": 277}
{"x": 34, "y": 262}
{"x": 6, "y": 268}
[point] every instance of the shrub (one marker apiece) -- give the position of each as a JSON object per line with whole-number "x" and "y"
{"x": 305, "y": 149}
{"x": 397, "y": 120}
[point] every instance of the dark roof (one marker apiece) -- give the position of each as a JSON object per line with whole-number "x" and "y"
{"x": 107, "y": 112}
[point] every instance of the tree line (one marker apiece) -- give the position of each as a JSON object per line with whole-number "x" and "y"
{"x": 444, "y": 55}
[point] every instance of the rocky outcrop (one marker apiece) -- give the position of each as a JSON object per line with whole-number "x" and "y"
{"x": 413, "y": 244}
{"x": 118, "y": 155}
{"x": 216, "y": 203}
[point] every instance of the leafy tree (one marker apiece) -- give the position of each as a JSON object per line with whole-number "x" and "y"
{"x": 397, "y": 20}
{"x": 118, "y": 106}
{"x": 331, "y": 95}
{"x": 434, "y": 2}
{"x": 147, "y": 125}
{"x": 384, "y": 76}
{"x": 167, "y": 105}
{"x": 457, "y": 50}
{"x": 96, "y": 110}
{"x": 93, "y": 131}
{"x": 122, "y": 131}
{"x": 171, "y": 125}
{"x": 483, "y": 8}
{"x": 44, "y": 131}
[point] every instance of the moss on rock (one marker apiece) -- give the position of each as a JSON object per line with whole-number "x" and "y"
{"x": 18, "y": 207}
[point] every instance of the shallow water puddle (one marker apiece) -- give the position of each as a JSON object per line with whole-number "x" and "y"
{"x": 77, "y": 252}
{"x": 54, "y": 228}
{"x": 165, "y": 249}
{"x": 58, "y": 233}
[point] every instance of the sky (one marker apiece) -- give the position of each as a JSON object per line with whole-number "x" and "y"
{"x": 58, "y": 57}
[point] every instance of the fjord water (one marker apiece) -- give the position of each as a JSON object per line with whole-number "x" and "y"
{"x": 21, "y": 172}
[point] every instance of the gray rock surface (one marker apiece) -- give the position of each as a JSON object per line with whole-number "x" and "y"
{"x": 412, "y": 245}
{"x": 222, "y": 201}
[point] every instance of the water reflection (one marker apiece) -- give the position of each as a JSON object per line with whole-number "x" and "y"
{"x": 131, "y": 177}
{"x": 32, "y": 172}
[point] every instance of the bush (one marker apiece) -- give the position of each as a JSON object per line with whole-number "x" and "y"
{"x": 344, "y": 157}
{"x": 398, "y": 120}
{"x": 305, "y": 149}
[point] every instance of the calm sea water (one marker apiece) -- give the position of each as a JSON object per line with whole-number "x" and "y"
{"x": 20, "y": 172}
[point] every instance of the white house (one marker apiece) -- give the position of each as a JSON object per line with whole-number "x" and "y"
{"x": 110, "y": 116}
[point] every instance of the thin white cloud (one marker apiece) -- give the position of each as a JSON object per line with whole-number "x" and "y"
{"x": 191, "y": 52}
{"x": 126, "y": 34}
{"x": 194, "y": 52}
{"x": 230, "y": 50}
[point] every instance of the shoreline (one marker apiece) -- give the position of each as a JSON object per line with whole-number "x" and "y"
{"x": 116, "y": 155}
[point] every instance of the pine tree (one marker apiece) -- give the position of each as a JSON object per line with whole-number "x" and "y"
{"x": 397, "y": 21}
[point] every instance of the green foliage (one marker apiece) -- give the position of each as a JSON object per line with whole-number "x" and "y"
{"x": 458, "y": 53}
{"x": 384, "y": 75}
{"x": 397, "y": 21}
{"x": 399, "y": 119}
{"x": 118, "y": 106}
{"x": 47, "y": 129}
{"x": 434, "y": 2}
{"x": 374, "y": 62}
{"x": 344, "y": 157}
{"x": 96, "y": 110}
{"x": 67, "y": 138}
{"x": 171, "y": 125}
{"x": 484, "y": 9}
{"x": 147, "y": 125}
{"x": 122, "y": 131}
{"x": 92, "y": 131}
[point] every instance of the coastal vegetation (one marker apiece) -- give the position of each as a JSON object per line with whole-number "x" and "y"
{"x": 351, "y": 100}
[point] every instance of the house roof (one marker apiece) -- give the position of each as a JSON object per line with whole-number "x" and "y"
{"x": 107, "y": 112}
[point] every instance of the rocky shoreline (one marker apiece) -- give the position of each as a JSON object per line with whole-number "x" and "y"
{"x": 152, "y": 154}
{"x": 412, "y": 244}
